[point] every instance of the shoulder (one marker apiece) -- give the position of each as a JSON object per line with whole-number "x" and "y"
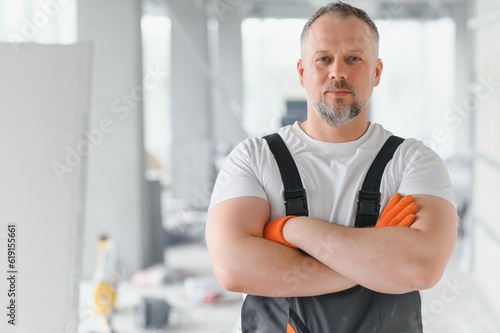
{"x": 413, "y": 155}
{"x": 252, "y": 155}
{"x": 410, "y": 150}
{"x": 248, "y": 149}
{"x": 255, "y": 146}
{"x": 423, "y": 171}
{"x": 415, "y": 151}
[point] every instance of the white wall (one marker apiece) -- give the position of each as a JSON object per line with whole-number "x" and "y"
{"x": 486, "y": 97}
{"x": 116, "y": 165}
{"x": 44, "y": 97}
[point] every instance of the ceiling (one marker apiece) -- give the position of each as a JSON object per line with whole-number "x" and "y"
{"x": 377, "y": 9}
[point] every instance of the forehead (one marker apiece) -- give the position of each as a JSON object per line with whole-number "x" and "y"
{"x": 331, "y": 31}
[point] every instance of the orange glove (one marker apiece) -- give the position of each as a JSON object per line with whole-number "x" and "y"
{"x": 273, "y": 231}
{"x": 400, "y": 211}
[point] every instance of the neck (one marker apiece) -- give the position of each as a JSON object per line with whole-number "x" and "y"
{"x": 317, "y": 129}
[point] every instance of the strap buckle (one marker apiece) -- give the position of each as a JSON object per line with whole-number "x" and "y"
{"x": 368, "y": 203}
{"x": 295, "y": 202}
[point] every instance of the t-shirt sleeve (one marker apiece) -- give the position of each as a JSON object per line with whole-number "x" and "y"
{"x": 425, "y": 173}
{"x": 238, "y": 175}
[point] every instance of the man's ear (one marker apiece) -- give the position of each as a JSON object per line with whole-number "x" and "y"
{"x": 378, "y": 72}
{"x": 300, "y": 71}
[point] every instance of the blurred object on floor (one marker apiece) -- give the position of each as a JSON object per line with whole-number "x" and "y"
{"x": 185, "y": 285}
{"x": 104, "y": 279}
{"x": 153, "y": 313}
{"x": 203, "y": 290}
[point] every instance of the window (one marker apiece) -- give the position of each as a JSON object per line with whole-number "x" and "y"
{"x": 271, "y": 48}
{"x": 418, "y": 80}
{"x": 51, "y": 21}
{"x": 156, "y": 57}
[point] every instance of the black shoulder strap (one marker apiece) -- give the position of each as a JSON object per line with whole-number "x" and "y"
{"x": 369, "y": 195}
{"x": 295, "y": 194}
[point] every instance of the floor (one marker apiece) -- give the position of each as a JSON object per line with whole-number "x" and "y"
{"x": 453, "y": 306}
{"x": 189, "y": 277}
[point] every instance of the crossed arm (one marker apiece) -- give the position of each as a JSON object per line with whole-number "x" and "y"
{"x": 390, "y": 259}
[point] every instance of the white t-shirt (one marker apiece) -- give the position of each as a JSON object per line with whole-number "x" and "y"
{"x": 332, "y": 173}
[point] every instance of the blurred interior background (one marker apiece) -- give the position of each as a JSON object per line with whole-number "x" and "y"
{"x": 178, "y": 83}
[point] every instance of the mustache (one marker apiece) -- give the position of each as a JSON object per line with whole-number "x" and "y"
{"x": 342, "y": 84}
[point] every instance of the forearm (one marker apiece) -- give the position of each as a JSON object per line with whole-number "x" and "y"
{"x": 390, "y": 259}
{"x": 354, "y": 252}
{"x": 260, "y": 267}
{"x": 243, "y": 261}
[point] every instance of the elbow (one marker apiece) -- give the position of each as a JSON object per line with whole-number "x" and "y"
{"x": 425, "y": 276}
{"x": 425, "y": 282}
{"x": 227, "y": 280}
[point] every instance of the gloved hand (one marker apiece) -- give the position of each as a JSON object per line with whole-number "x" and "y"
{"x": 400, "y": 211}
{"x": 273, "y": 231}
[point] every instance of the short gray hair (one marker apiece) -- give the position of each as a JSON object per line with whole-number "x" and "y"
{"x": 340, "y": 9}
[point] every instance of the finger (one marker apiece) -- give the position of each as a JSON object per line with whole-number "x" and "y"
{"x": 392, "y": 202}
{"x": 410, "y": 209}
{"x": 406, "y": 200}
{"x": 398, "y": 208}
{"x": 407, "y": 221}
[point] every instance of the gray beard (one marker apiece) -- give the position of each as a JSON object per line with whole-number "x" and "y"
{"x": 339, "y": 114}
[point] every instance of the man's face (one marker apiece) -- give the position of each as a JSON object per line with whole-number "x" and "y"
{"x": 339, "y": 68}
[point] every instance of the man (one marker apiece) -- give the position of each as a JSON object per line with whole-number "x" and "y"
{"x": 333, "y": 149}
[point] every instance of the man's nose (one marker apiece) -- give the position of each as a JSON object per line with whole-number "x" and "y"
{"x": 338, "y": 70}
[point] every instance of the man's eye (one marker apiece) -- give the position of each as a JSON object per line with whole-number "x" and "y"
{"x": 351, "y": 59}
{"x": 323, "y": 59}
